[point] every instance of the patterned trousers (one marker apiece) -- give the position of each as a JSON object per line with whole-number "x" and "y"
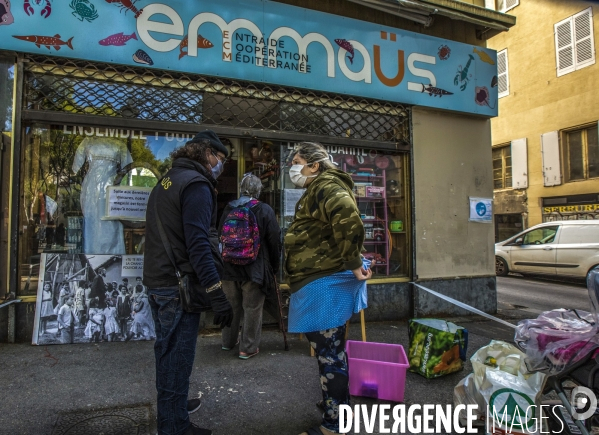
{"x": 329, "y": 346}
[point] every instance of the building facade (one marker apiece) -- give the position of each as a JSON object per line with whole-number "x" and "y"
{"x": 93, "y": 112}
{"x": 545, "y": 147}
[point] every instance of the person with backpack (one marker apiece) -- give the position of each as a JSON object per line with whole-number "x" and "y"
{"x": 250, "y": 241}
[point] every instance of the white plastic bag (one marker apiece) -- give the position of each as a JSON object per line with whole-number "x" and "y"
{"x": 507, "y": 395}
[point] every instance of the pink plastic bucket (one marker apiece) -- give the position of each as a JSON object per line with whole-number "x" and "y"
{"x": 377, "y": 370}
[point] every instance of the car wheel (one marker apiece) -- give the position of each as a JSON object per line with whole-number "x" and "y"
{"x": 501, "y": 268}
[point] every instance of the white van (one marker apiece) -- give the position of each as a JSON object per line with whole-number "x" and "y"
{"x": 561, "y": 248}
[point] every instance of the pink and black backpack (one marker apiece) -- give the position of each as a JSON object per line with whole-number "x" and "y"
{"x": 240, "y": 236}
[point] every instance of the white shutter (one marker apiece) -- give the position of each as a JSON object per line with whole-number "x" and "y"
{"x": 490, "y": 4}
{"x": 564, "y": 47}
{"x": 503, "y": 80}
{"x": 519, "y": 164}
{"x": 584, "y": 47}
{"x": 551, "y": 168}
{"x": 510, "y": 4}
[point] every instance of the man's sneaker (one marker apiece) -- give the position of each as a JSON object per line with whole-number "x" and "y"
{"x": 193, "y": 405}
{"x": 196, "y": 430}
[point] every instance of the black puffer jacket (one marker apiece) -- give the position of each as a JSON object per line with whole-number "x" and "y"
{"x": 268, "y": 260}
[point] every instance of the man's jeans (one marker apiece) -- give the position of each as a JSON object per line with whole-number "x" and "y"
{"x": 175, "y": 347}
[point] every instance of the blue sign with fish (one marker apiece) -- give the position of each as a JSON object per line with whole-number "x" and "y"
{"x": 261, "y": 41}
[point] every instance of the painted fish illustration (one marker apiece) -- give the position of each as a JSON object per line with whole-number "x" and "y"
{"x": 346, "y": 45}
{"x": 47, "y": 41}
{"x": 202, "y": 43}
{"x": 484, "y": 56}
{"x": 141, "y": 56}
{"x": 433, "y": 91}
{"x": 118, "y": 39}
{"x": 494, "y": 81}
{"x": 481, "y": 96}
{"x": 6, "y": 17}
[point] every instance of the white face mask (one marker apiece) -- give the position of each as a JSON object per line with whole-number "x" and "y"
{"x": 297, "y": 178}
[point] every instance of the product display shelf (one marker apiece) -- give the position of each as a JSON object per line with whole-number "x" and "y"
{"x": 376, "y": 225}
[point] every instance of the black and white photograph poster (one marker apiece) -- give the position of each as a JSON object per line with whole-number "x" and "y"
{"x": 84, "y": 298}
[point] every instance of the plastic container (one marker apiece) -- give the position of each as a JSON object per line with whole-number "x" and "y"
{"x": 377, "y": 370}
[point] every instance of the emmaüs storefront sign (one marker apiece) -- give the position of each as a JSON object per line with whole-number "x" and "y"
{"x": 260, "y": 41}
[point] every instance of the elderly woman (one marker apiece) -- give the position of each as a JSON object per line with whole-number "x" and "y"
{"x": 246, "y": 286}
{"x": 325, "y": 270}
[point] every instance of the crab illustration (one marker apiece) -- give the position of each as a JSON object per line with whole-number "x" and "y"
{"x": 84, "y": 10}
{"x": 444, "y": 52}
{"x": 45, "y": 12}
{"x": 462, "y": 74}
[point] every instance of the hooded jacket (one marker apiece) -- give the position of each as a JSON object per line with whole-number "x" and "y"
{"x": 327, "y": 234}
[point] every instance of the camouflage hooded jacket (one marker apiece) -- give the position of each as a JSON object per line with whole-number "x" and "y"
{"x": 327, "y": 234}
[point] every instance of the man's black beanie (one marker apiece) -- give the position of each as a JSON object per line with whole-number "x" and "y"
{"x": 215, "y": 142}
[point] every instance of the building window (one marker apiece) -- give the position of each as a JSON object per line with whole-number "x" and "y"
{"x": 581, "y": 153}
{"x": 503, "y": 80}
{"x": 574, "y": 42}
{"x": 502, "y": 167}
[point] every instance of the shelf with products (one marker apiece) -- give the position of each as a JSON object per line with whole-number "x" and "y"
{"x": 370, "y": 193}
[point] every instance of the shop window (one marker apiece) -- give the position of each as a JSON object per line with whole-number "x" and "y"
{"x": 503, "y": 79}
{"x": 506, "y": 226}
{"x": 502, "y": 167}
{"x": 381, "y": 190}
{"x": 574, "y": 42}
{"x": 83, "y": 194}
{"x": 7, "y": 75}
{"x": 581, "y": 153}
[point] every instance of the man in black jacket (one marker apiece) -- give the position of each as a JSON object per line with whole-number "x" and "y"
{"x": 246, "y": 286}
{"x": 184, "y": 204}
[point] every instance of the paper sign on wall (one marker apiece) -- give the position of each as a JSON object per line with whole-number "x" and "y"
{"x": 127, "y": 203}
{"x": 132, "y": 265}
{"x": 481, "y": 210}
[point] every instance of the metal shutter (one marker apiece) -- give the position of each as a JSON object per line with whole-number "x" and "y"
{"x": 503, "y": 80}
{"x": 519, "y": 164}
{"x": 552, "y": 175}
{"x": 564, "y": 47}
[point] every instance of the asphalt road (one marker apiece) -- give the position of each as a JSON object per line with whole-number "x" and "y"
{"x": 537, "y": 295}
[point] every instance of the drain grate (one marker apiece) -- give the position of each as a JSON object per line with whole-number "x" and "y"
{"x": 112, "y": 421}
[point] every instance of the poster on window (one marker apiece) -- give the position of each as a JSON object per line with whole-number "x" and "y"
{"x": 83, "y": 298}
{"x": 481, "y": 210}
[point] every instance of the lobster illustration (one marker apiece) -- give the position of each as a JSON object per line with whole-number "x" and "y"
{"x": 126, "y": 5}
{"x": 45, "y": 12}
{"x": 462, "y": 74}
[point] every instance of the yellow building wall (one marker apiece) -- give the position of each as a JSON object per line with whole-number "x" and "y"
{"x": 539, "y": 101}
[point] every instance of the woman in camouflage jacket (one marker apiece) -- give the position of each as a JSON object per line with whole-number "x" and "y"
{"x": 325, "y": 270}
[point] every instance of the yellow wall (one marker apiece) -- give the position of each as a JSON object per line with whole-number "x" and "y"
{"x": 452, "y": 161}
{"x": 539, "y": 101}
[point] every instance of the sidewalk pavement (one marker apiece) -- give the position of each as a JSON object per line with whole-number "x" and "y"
{"x": 108, "y": 388}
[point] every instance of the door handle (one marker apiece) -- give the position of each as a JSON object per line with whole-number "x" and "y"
{"x": 548, "y": 248}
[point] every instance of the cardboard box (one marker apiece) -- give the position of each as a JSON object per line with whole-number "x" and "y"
{"x": 360, "y": 191}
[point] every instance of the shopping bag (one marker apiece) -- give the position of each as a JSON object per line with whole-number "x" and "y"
{"x": 437, "y": 347}
{"x": 507, "y": 395}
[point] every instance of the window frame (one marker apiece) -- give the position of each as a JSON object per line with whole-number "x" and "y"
{"x": 574, "y": 43}
{"x": 565, "y": 156}
{"x": 503, "y": 147}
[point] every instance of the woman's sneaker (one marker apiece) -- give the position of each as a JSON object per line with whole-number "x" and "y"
{"x": 193, "y": 405}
